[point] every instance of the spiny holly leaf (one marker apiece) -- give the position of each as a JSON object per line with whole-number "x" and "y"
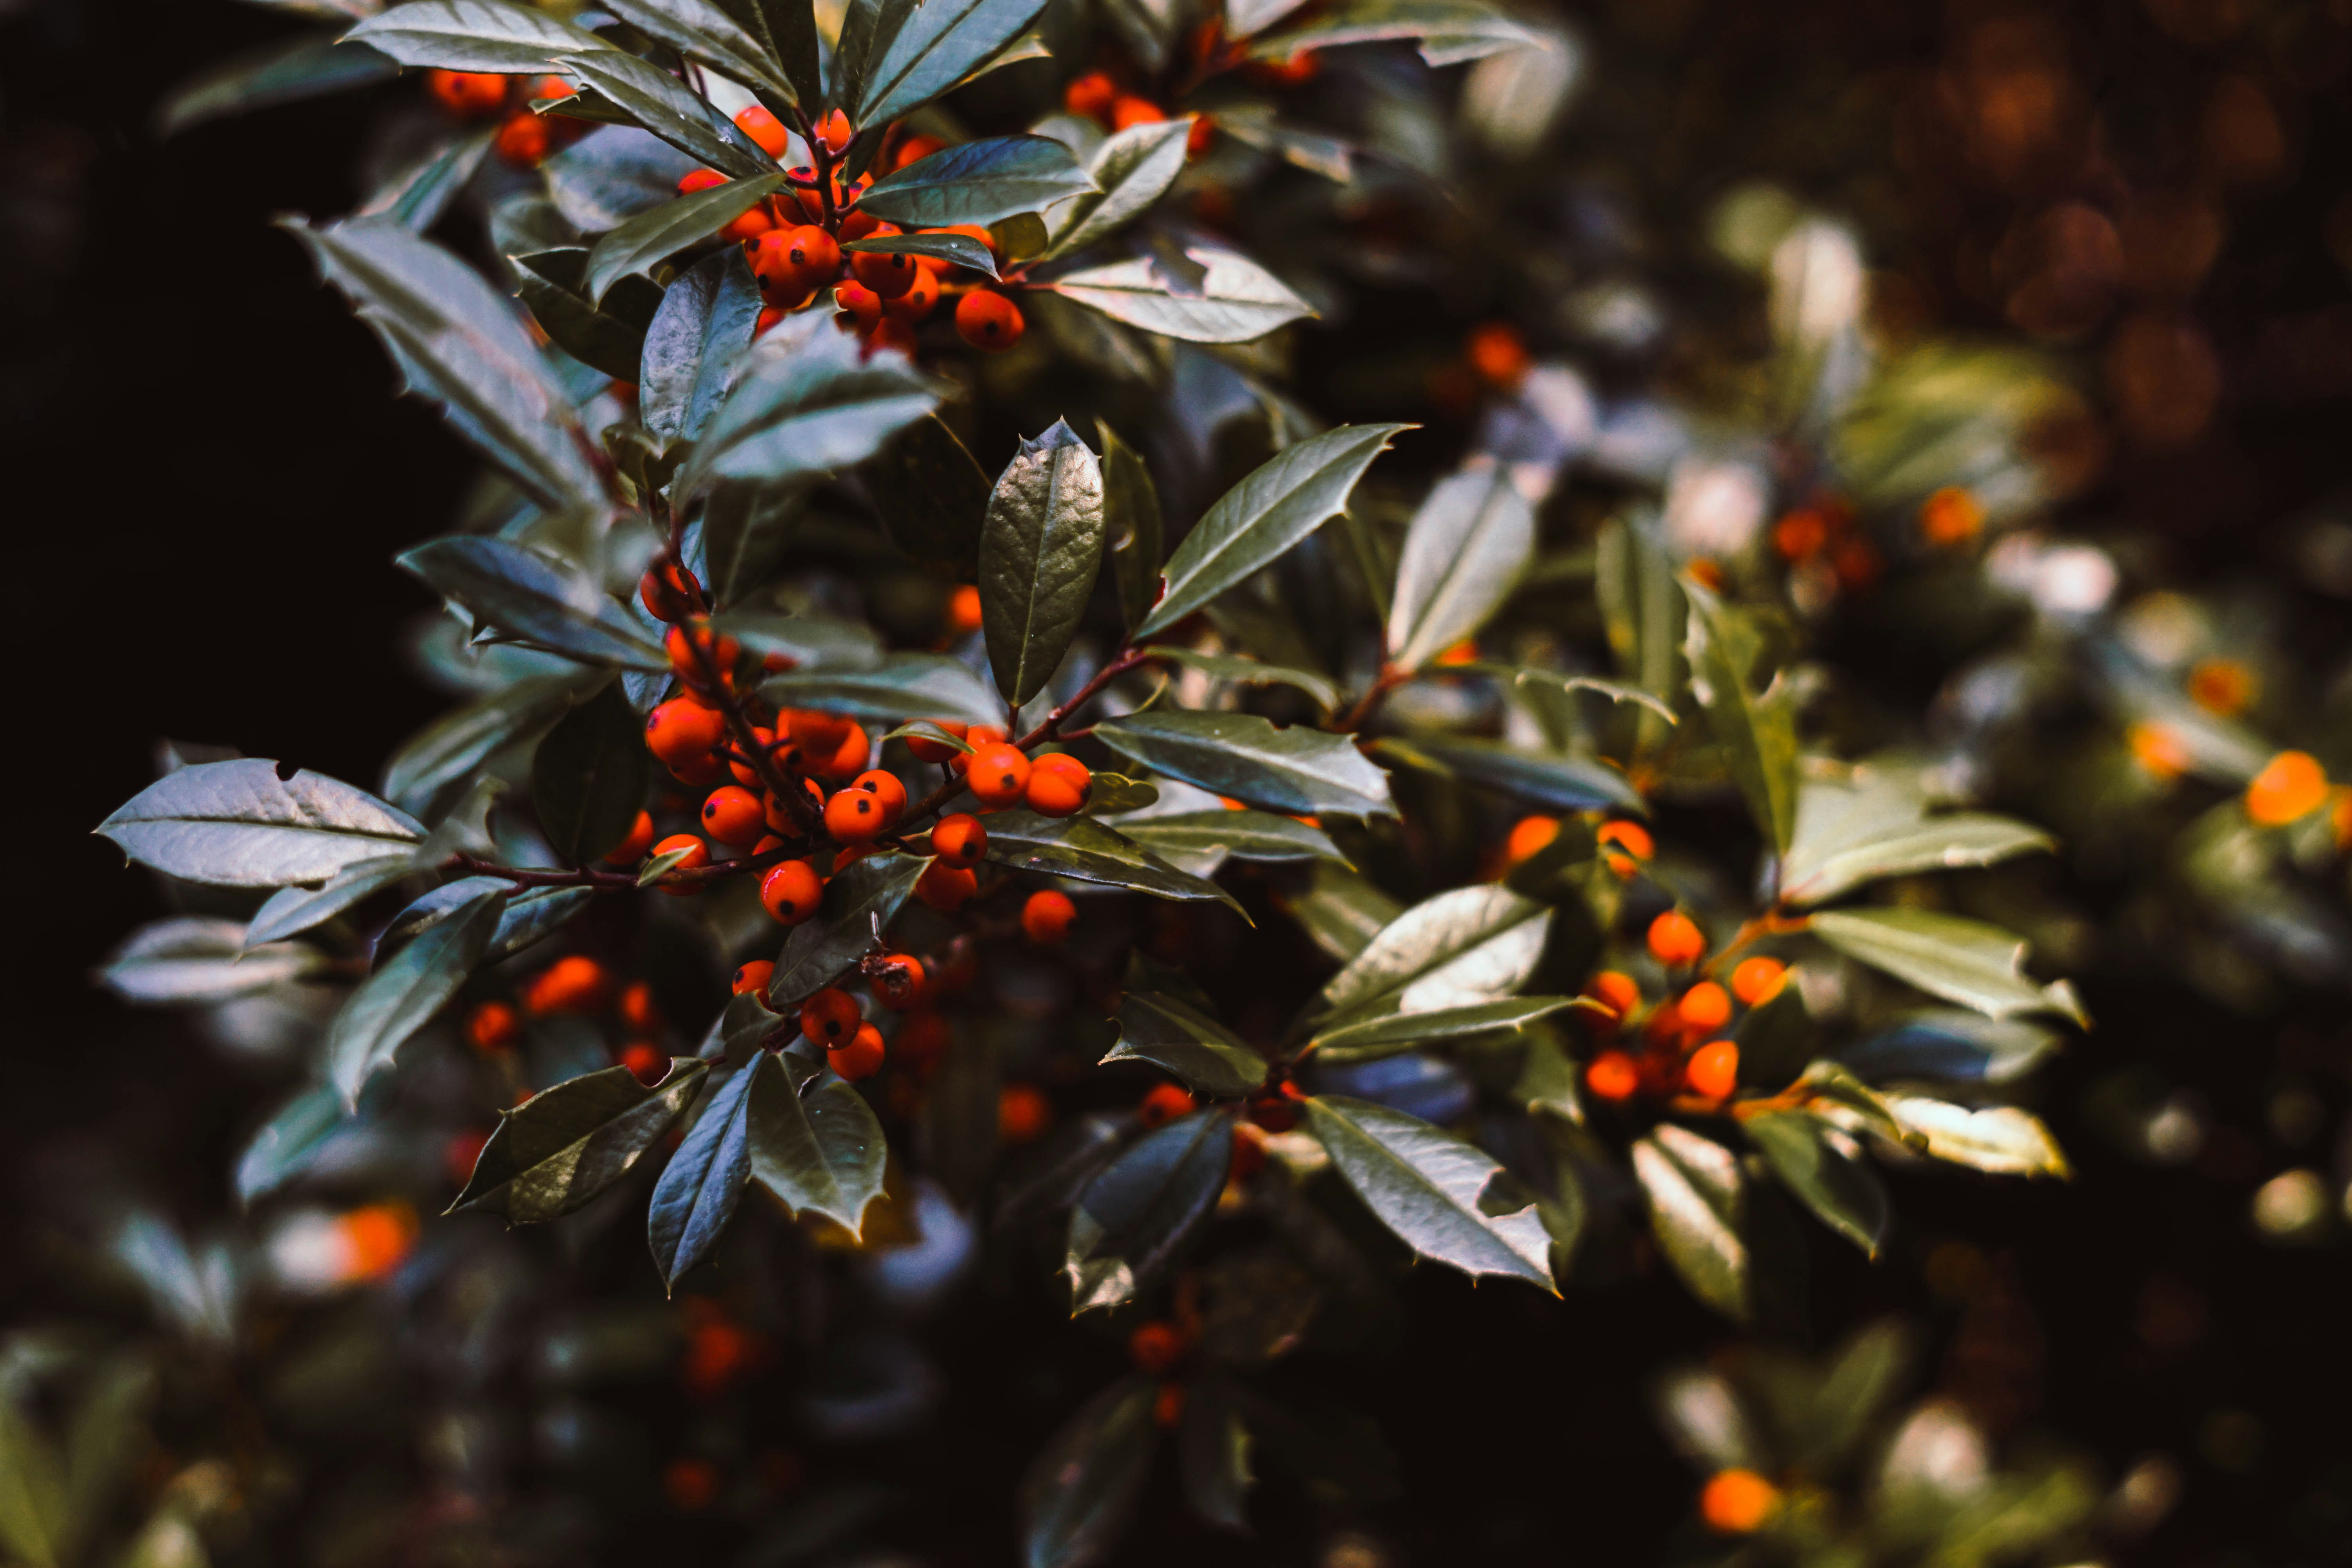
{"x": 525, "y": 595}
{"x": 295, "y": 1135}
{"x": 1040, "y": 549}
{"x": 937, "y": 45}
{"x": 697, "y": 339}
{"x": 1085, "y": 850}
{"x": 811, "y": 642}
{"x": 1131, "y": 529}
{"x": 1964, "y": 961}
{"x": 1464, "y": 554}
{"x": 565, "y": 1145}
{"x": 589, "y": 777}
{"x": 703, "y": 32}
{"x": 529, "y": 915}
{"x": 981, "y": 182}
{"x": 290, "y": 911}
{"x": 1938, "y": 843}
{"x": 819, "y": 1151}
{"x": 1954, "y": 1045}
{"x": 957, "y": 249}
{"x": 634, "y": 248}
{"x": 1171, "y": 1032}
{"x": 922, "y": 684}
{"x": 930, "y": 495}
{"x": 704, "y": 1180}
{"x": 552, "y": 285}
{"x": 1201, "y": 841}
{"x": 809, "y": 401}
{"x": 1451, "y": 31}
{"x": 1385, "y": 1037}
{"x": 1754, "y": 730}
{"x": 1131, "y": 169}
{"x": 2000, "y": 1139}
{"x": 1644, "y": 613}
{"x": 236, "y": 824}
{"x": 1261, "y": 517}
{"x": 284, "y": 71}
{"x": 1460, "y": 949}
{"x": 473, "y": 36}
{"x": 1295, "y": 772}
{"x": 843, "y": 927}
{"x": 202, "y": 959}
{"x": 1540, "y": 778}
{"x": 1215, "y": 296}
{"x": 1250, "y": 672}
{"x": 652, "y": 98}
{"x": 1130, "y": 1221}
{"x": 1846, "y": 1194}
{"x": 1697, "y": 1209}
{"x": 402, "y": 997}
{"x": 1080, "y": 1490}
{"x": 419, "y": 191}
{"x": 1429, "y": 1188}
{"x": 747, "y": 530}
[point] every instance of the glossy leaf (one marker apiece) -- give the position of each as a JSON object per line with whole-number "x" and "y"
{"x": 1168, "y": 1031}
{"x": 1938, "y": 843}
{"x": 566, "y": 1145}
{"x": 634, "y": 248}
{"x": 295, "y": 1135}
{"x": 808, "y": 402}
{"x": 1079, "y": 1491}
{"x": 819, "y": 1150}
{"x": 1539, "y": 778}
{"x": 1250, "y": 672}
{"x": 930, "y": 495}
{"x": 788, "y": 28}
{"x": 703, "y": 32}
{"x": 1429, "y": 1188}
{"x": 1213, "y": 1446}
{"x": 191, "y": 959}
{"x": 1520, "y": 675}
{"x": 529, "y": 915}
{"x": 1460, "y": 949}
{"x": 1342, "y": 911}
{"x": 1085, "y": 850}
{"x": 1952, "y": 1045}
{"x": 924, "y": 685}
{"x": 1228, "y": 299}
{"x": 955, "y": 250}
{"x": 1697, "y": 1208}
{"x": 1130, "y": 171}
{"x": 1963, "y": 961}
{"x": 697, "y": 339}
{"x": 982, "y": 182}
{"x": 290, "y": 911}
{"x": 653, "y": 98}
{"x": 704, "y": 1180}
{"x": 1201, "y": 841}
{"x": 1131, "y": 527}
{"x": 747, "y": 531}
{"x": 612, "y": 175}
{"x": 821, "y": 948}
{"x": 1133, "y": 1218}
{"x": 236, "y": 824}
{"x": 1295, "y": 772}
{"x": 1644, "y": 613}
{"x": 284, "y": 71}
{"x": 2000, "y": 1139}
{"x": 813, "y": 642}
{"x": 1756, "y": 731}
{"x": 589, "y": 777}
{"x": 1385, "y": 1037}
{"x": 937, "y": 44}
{"x": 1846, "y": 1194}
{"x": 417, "y": 193}
{"x": 403, "y": 997}
{"x": 525, "y": 595}
{"x": 1451, "y": 31}
{"x": 1260, "y": 519}
{"x": 599, "y": 340}
{"x": 473, "y": 36}
{"x": 1040, "y": 551}
{"x": 1464, "y": 552}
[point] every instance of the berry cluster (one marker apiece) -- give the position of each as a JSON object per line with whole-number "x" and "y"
{"x": 1683, "y": 1049}
{"x": 525, "y": 137}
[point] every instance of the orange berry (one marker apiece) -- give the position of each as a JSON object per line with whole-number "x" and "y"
{"x": 884, "y": 785}
{"x": 1167, "y": 1406}
{"x": 987, "y": 319}
{"x": 752, "y": 978}
{"x": 1047, "y": 915}
{"x": 1756, "y": 981}
{"x": 2157, "y": 750}
{"x": 469, "y": 93}
{"x": 820, "y": 732}
{"x": 1612, "y": 1075}
{"x": 692, "y": 1485}
{"x": 1057, "y": 785}
{"x": 745, "y": 773}
{"x": 831, "y": 1017}
{"x": 886, "y": 334}
{"x": 921, "y": 298}
{"x": 835, "y": 131}
{"x": 1800, "y": 535}
{"x": 898, "y": 981}
{"x": 748, "y": 226}
{"x": 647, "y": 1062}
{"x": 964, "y": 613}
{"x": 2221, "y": 686}
{"x": 2291, "y": 786}
{"x": 573, "y": 983}
{"x": 638, "y": 1009}
{"x": 781, "y": 820}
{"x": 929, "y": 750}
{"x": 1164, "y": 1104}
{"x": 692, "y": 645}
{"x": 979, "y": 737}
{"x": 921, "y": 1040}
{"x": 888, "y": 273}
{"x": 960, "y": 840}
{"x": 1155, "y": 1347}
{"x": 861, "y": 306}
{"x": 1675, "y": 940}
{"x": 945, "y": 887}
{"x": 669, "y": 593}
{"x": 1616, "y": 992}
{"x": 1498, "y": 354}
{"x": 850, "y": 755}
{"x": 1090, "y": 96}
{"x": 769, "y": 316}
{"x": 698, "y": 854}
{"x": 853, "y": 817}
{"x": 733, "y": 816}
{"x": 679, "y": 731}
{"x": 914, "y": 150}
{"x": 1631, "y": 837}
{"x": 791, "y": 892}
{"x": 764, "y": 128}
{"x": 523, "y": 140}
{"x": 1857, "y": 564}
{"x": 999, "y": 774}
{"x": 460, "y": 1154}
{"x": 1704, "y": 1007}
{"x": 1128, "y": 111}
{"x": 1200, "y": 138}
{"x": 492, "y": 1026}
{"x": 1249, "y": 1152}
{"x": 1737, "y": 1502}
{"x": 1528, "y": 835}
{"x": 1023, "y": 1113}
{"x": 695, "y": 180}
{"x": 861, "y": 1058}
{"x": 850, "y": 855}
{"x": 1951, "y": 516}
{"x": 1713, "y": 1071}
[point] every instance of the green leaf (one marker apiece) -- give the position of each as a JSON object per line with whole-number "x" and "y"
{"x": 788, "y": 28}
{"x": 1130, "y": 525}
{"x": 1212, "y": 1449}
{"x": 1170, "y": 1032}
{"x": 566, "y": 1145}
{"x": 937, "y": 44}
{"x": 923, "y": 729}
{"x": 863, "y": 30}
{"x": 1844, "y": 1193}
{"x": 601, "y": 339}
{"x": 430, "y": 765}
{"x": 957, "y": 249}
{"x": 529, "y": 915}
{"x": 703, "y": 32}
{"x": 652, "y": 98}
{"x": 1644, "y": 613}
{"x": 1429, "y": 1188}
{"x": 589, "y": 777}
{"x": 294, "y": 1134}
{"x": 704, "y": 1180}
{"x": 1298, "y": 772}
{"x": 1250, "y": 672}
{"x": 1040, "y": 551}
{"x": 1451, "y": 31}
{"x": 747, "y": 531}
{"x": 634, "y": 248}
{"x": 473, "y": 36}
{"x": 459, "y": 346}
{"x": 1963, "y": 961}
{"x": 1131, "y": 169}
{"x": 1130, "y": 1221}
{"x": 198, "y": 959}
{"x": 698, "y": 337}
{"x": 1460, "y": 949}
{"x": 284, "y": 71}
{"x": 924, "y": 685}
{"x": 843, "y": 928}
{"x": 1260, "y": 519}
{"x": 525, "y": 595}
{"x": 1698, "y": 1205}
{"x": 818, "y": 1152}
{"x": 1115, "y": 792}
{"x": 930, "y": 495}
{"x": 1085, "y": 850}
{"x": 402, "y": 997}
{"x": 1387, "y": 1035}
{"x": 33, "y": 1487}
{"x": 1755, "y": 731}
{"x": 812, "y": 642}
{"x": 1939, "y": 843}
{"x": 1343, "y": 911}
{"x": 290, "y": 911}
{"x": 1464, "y": 552}
{"x": 1777, "y": 1039}
{"x": 2000, "y": 1139}
{"x": 1540, "y": 778}
{"x": 609, "y": 175}
{"x": 1078, "y": 1493}
{"x": 808, "y": 402}
{"x": 1201, "y": 841}
{"x": 418, "y": 191}
{"x": 1523, "y": 675}
{"x": 1954, "y": 1045}
{"x": 981, "y": 182}
{"x": 1230, "y": 299}
{"x": 236, "y": 824}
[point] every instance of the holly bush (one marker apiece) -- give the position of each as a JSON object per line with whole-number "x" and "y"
{"x": 1027, "y": 740}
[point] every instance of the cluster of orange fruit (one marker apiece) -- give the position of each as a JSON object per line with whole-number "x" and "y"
{"x": 1682, "y": 1047}
{"x": 524, "y": 138}
{"x": 577, "y": 985}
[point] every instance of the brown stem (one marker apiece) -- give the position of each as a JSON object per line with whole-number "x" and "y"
{"x": 1389, "y": 679}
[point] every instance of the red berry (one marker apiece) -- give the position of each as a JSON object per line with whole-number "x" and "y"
{"x": 898, "y": 981}
{"x": 632, "y": 849}
{"x": 1675, "y": 940}
{"x": 920, "y": 299}
{"x": 977, "y": 736}
{"x": 945, "y": 887}
{"x": 1704, "y": 1007}
{"x": 647, "y": 1062}
{"x": 1127, "y": 111}
{"x": 523, "y": 140}
{"x": 835, "y": 131}
{"x": 1155, "y": 1347}
{"x": 574, "y": 983}
{"x": 831, "y": 1017}
{"x": 850, "y": 757}
{"x": 733, "y": 816}
{"x": 1057, "y": 784}
{"x": 853, "y": 817}
{"x": 638, "y": 1009}
{"x": 862, "y": 306}
{"x": 791, "y": 892}
{"x": 1164, "y": 1104}
{"x": 492, "y": 1026}
{"x": 680, "y": 733}
{"x": 1612, "y": 1075}
{"x": 861, "y": 1058}
{"x": 469, "y": 93}
{"x": 889, "y": 274}
{"x": 698, "y": 854}
{"x": 999, "y": 775}
{"x": 1713, "y": 1071}
{"x": 695, "y": 180}
{"x": 1046, "y": 917}
{"x": 752, "y": 978}
{"x": 764, "y": 128}
{"x": 914, "y": 150}
{"x": 960, "y": 840}
{"x": 1022, "y": 1112}
{"x": 987, "y": 319}
{"x": 883, "y": 785}
{"x": 1090, "y": 95}
{"x": 930, "y": 750}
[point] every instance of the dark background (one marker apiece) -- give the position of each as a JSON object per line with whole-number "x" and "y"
{"x": 208, "y": 478}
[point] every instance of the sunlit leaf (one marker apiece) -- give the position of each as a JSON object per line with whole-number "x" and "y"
{"x": 1429, "y": 1188}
